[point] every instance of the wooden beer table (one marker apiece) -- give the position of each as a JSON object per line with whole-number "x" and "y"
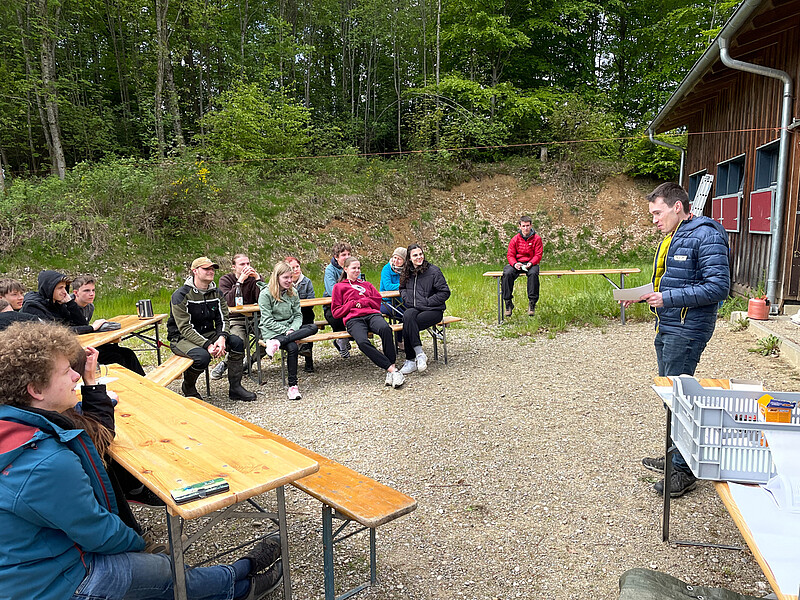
{"x": 130, "y": 326}
{"x": 167, "y": 441}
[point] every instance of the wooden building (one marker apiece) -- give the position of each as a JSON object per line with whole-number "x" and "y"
{"x": 735, "y": 120}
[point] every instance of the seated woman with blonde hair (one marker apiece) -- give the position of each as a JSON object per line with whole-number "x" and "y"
{"x": 282, "y": 321}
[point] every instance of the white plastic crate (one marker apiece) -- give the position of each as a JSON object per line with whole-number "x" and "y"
{"x": 718, "y": 433}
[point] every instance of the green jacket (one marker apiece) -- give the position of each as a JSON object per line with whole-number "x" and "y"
{"x": 277, "y": 317}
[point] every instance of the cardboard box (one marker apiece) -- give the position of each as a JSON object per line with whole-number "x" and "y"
{"x": 774, "y": 411}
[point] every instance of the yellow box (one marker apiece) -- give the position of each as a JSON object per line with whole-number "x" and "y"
{"x": 774, "y": 411}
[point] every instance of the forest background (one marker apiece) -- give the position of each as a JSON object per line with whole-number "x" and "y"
{"x": 136, "y": 134}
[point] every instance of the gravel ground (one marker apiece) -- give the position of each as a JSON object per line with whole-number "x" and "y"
{"x": 523, "y": 455}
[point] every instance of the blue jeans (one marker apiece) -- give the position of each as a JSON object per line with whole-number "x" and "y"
{"x": 677, "y": 355}
{"x": 142, "y": 576}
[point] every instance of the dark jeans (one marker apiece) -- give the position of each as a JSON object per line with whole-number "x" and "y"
{"x": 234, "y": 346}
{"x": 677, "y": 355}
{"x": 358, "y": 327}
{"x": 336, "y": 324}
{"x": 510, "y": 275}
{"x": 288, "y": 343}
{"x": 415, "y": 320}
{"x": 114, "y": 354}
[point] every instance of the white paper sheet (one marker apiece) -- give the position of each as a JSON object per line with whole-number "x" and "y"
{"x": 633, "y": 294}
{"x": 775, "y": 532}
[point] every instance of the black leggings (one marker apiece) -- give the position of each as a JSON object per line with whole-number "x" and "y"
{"x": 288, "y": 344}
{"x": 359, "y": 327}
{"x": 414, "y": 320}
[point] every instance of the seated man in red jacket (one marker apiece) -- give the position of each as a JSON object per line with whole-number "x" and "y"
{"x": 524, "y": 254}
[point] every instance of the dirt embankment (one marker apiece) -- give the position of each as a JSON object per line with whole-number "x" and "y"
{"x": 610, "y": 213}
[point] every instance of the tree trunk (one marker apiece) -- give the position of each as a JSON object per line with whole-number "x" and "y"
{"x": 164, "y": 77}
{"x": 48, "y": 47}
{"x": 161, "y": 7}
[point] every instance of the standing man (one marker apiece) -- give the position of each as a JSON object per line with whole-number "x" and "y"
{"x": 84, "y": 293}
{"x": 199, "y": 328}
{"x": 691, "y": 276}
{"x": 246, "y": 277}
{"x": 524, "y": 255}
{"x": 333, "y": 271}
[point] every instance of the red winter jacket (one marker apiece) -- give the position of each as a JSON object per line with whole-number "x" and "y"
{"x": 345, "y": 295}
{"x": 524, "y": 251}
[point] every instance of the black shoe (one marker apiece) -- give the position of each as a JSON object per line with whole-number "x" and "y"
{"x": 679, "y": 484}
{"x": 309, "y": 368}
{"x": 142, "y": 495}
{"x": 262, "y": 584}
{"x": 654, "y": 464}
{"x": 264, "y": 554}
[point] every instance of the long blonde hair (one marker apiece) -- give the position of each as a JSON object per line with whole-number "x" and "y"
{"x": 274, "y": 287}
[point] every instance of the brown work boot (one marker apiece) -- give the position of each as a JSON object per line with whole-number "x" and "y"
{"x": 508, "y": 311}
{"x": 531, "y": 311}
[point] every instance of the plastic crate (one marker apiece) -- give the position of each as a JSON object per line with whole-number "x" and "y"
{"x": 718, "y": 433}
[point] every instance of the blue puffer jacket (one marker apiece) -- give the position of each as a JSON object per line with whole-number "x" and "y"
{"x": 696, "y": 279}
{"x": 56, "y": 505}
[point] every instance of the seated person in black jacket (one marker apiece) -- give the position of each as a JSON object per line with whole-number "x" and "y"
{"x": 8, "y": 315}
{"x": 84, "y": 293}
{"x": 52, "y": 302}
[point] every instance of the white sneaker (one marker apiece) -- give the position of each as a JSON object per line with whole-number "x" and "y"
{"x": 408, "y": 367}
{"x": 422, "y": 362}
{"x": 272, "y": 347}
{"x": 389, "y": 378}
{"x": 398, "y": 379}
{"x": 218, "y": 371}
{"x": 294, "y": 393}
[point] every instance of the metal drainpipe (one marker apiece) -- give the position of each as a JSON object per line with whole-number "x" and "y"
{"x": 668, "y": 145}
{"x": 783, "y": 164}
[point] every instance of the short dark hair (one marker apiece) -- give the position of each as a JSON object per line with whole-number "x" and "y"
{"x": 670, "y": 193}
{"x": 340, "y": 247}
{"x": 82, "y": 280}
{"x": 525, "y": 219}
{"x": 10, "y": 285}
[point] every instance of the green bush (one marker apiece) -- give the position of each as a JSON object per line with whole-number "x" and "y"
{"x": 250, "y": 124}
{"x": 644, "y": 158}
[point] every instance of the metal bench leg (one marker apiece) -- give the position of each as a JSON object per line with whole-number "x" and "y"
{"x": 499, "y": 302}
{"x": 208, "y": 383}
{"x": 435, "y": 344}
{"x": 327, "y": 551}
{"x": 373, "y": 558}
{"x": 444, "y": 343}
{"x": 174, "y": 527}
{"x": 622, "y": 306}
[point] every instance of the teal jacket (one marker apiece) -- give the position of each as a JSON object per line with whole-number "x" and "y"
{"x": 278, "y": 317}
{"x": 56, "y": 506}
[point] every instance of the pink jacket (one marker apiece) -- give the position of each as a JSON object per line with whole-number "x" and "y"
{"x": 346, "y": 295}
{"x": 524, "y": 251}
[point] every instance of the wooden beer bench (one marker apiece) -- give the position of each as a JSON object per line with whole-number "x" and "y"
{"x": 346, "y": 495}
{"x": 173, "y": 368}
{"x": 559, "y": 273}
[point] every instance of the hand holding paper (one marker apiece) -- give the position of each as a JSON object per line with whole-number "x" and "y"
{"x": 632, "y": 294}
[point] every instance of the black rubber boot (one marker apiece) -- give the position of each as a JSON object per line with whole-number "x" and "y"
{"x": 188, "y": 387}
{"x": 309, "y": 368}
{"x": 236, "y": 391}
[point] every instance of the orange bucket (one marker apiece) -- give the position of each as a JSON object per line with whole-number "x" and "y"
{"x": 758, "y": 309}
